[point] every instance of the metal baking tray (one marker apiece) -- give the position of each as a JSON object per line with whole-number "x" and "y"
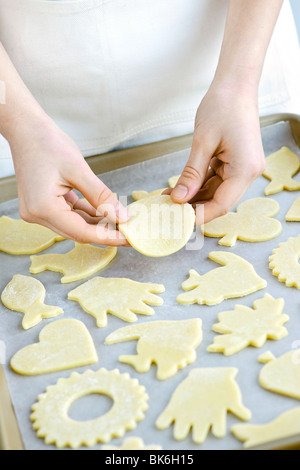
{"x": 18, "y": 393}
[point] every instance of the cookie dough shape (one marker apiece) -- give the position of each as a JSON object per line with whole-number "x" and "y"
{"x": 158, "y": 226}
{"x": 266, "y": 357}
{"x": 282, "y": 375}
{"x": 137, "y": 195}
{"x": 26, "y": 294}
{"x": 293, "y": 214}
{"x": 201, "y": 401}
{"x": 132, "y": 443}
{"x": 252, "y": 222}
{"x": 63, "y": 344}
{"x": 121, "y": 297}
{"x": 244, "y": 326}
{"x": 22, "y": 238}
{"x": 236, "y": 278}
{"x": 50, "y": 413}
{"x": 284, "y": 262}
{"x": 285, "y": 425}
{"x": 169, "y": 344}
{"x": 173, "y": 181}
{"x": 79, "y": 263}
{"x": 280, "y": 167}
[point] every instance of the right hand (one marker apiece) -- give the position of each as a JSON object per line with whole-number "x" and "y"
{"x": 48, "y": 166}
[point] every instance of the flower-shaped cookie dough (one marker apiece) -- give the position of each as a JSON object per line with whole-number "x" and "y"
{"x": 284, "y": 262}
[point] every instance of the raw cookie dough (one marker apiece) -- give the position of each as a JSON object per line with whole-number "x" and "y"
{"x": 169, "y": 344}
{"x": 137, "y": 195}
{"x": 26, "y": 294}
{"x": 236, "y": 278}
{"x": 252, "y": 222}
{"x": 63, "y": 344}
{"x": 245, "y": 326}
{"x": 293, "y": 214}
{"x": 286, "y": 425}
{"x": 132, "y": 443}
{"x": 284, "y": 262}
{"x": 280, "y": 167}
{"x": 173, "y": 181}
{"x": 119, "y": 296}
{"x": 22, "y": 238}
{"x": 266, "y": 357}
{"x": 50, "y": 413}
{"x": 81, "y": 262}
{"x": 282, "y": 375}
{"x": 158, "y": 226}
{"x": 201, "y": 401}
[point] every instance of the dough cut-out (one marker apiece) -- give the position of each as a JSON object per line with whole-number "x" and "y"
{"x": 50, "y": 412}
{"x": 285, "y": 425}
{"x": 63, "y": 344}
{"x": 79, "y": 263}
{"x": 22, "y": 238}
{"x": 266, "y": 357}
{"x": 244, "y": 326}
{"x": 121, "y": 297}
{"x": 132, "y": 443}
{"x": 284, "y": 262}
{"x": 282, "y": 375}
{"x": 280, "y": 167}
{"x": 158, "y": 226}
{"x": 252, "y": 222}
{"x": 293, "y": 214}
{"x": 168, "y": 344}
{"x": 173, "y": 181}
{"x": 137, "y": 195}
{"x": 236, "y": 278}
{"x": 26, "y": 295}
{"x": 201, "y": 401}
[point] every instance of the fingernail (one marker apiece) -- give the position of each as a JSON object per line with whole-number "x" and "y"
{"x": 180, "y": 191}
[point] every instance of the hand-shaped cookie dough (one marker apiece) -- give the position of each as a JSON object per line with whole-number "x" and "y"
{"x": 119, "y": 296}
{"x": 201, "y": 401}
{"x": 81, "y": 262}
{"x": 26, "y": 294}
{"x": 280, "y": 167}
{"x": 252, "y": 222}
{"x": 236, "y": 278}
{"x": 245, "y": 326}
{"x": 282, "y": 375}
{"x": 169, "y": 344}
{"x": 284, "y": 262}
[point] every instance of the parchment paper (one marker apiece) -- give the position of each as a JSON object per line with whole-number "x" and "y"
{"x": 170, "y": 271}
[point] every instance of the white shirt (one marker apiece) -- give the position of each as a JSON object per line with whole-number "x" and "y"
{"x": 117, "y": 73}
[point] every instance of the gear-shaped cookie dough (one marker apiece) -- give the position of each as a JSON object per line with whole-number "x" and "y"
{"x": 282, "y": 375}
{"x": 284, "y": 262}
{"x": 132, "y": 443}
{"x": 201, "y": 401}
{"x": 121, "y": 297}
{"x": 244, "y": 326}
{"x": 79, "y": 263}
{"x": 280, "y": 167}
{"x": 22, "y": 238}
{"x": 236, "y": 278}
{"x": 50, "y": 413}
{"x": 169, "y": 344}
{"x": 158, "y": 226}
{"x": 63, "y": 344}
{"x": 251, "y": 222}
{"x": 26, "y": 295}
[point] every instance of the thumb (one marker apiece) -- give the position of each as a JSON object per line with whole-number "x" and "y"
{"x": 193, "y": 174}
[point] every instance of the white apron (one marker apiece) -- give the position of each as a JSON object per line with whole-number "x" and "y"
{"x": 116, "y": 73}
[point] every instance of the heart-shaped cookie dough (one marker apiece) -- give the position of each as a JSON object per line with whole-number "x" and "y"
{"x": 63, "y": 344}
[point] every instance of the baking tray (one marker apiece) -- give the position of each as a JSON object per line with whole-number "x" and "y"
{"x": 149, "y": 175}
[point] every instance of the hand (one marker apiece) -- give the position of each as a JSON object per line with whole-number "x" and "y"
{"x": 49, "y": 165}
{"x": 226, "y": 155}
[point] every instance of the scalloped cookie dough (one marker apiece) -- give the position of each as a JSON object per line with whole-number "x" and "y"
{"x": 284, "y": 262}
{"x": 168, "y": 344}
{"x": 132, "y": 443}
{"x": 121, "y": 297}
{"x": 237, "y": 278}
{"x": 201, "y": 403}
{"x": 252, "y": 222}
{"x": 282, "y": 375}
{"x": 158, "y": 226}
{"x": 22, "y": 238}
{"x": 81, "y": 262}
{"x": 50, "y": 413}
{"x": 63, "y": 344}
{"x": 27, "y": 295}
{"x": 280, "y": 167}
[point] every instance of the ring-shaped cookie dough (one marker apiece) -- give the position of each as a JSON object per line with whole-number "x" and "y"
{"x": 284, "y": 262}
{"x": 50, "y": 412}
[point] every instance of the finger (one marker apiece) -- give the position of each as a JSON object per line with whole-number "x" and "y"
{"x": 208, "y": 190}
{"x": 88, "y": 218}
